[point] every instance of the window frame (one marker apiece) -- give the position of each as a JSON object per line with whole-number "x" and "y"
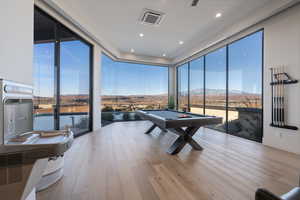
{"x": 226, "y": 46}
{"x": 58, "y": 27}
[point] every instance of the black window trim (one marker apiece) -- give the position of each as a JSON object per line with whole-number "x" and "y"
{"x": 58, "y": 26}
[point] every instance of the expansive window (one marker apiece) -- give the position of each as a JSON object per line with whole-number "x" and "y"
{"x": 127, "y": 87}
{"x": 244, "y": 87}
{"x": 227, "y": 83}
{"x": 197, "y": 86}
{"x": 215, "y": 87}
{"x": 62, "y": 67}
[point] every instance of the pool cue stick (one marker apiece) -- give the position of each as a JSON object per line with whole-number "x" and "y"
{"x": 284, "y": 103}
{"x": 280, "y": 95}
{"x": 275, "y": 95}
{"x": 272, "y": 87}
{"x": 283, "y": 95}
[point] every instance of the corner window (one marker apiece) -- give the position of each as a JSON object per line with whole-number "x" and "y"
{"x": 227, "y": 83}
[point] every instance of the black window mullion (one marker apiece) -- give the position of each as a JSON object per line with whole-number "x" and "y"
{"x": 168, "y": 86}
{"x": 204, "y": 83}
{"x": 227, "y": 86}
{"x": 189, "y": 77}
{"x": 57, "y": 76}
{"x": 177, "y": 85}
{"x": 262, "y": 84}
{"x": 91, "y": 95}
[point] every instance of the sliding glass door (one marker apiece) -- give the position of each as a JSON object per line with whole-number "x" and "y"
{"x": 62, "y": 67}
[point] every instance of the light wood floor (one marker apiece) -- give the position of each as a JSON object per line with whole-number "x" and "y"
{"x": 121, "y": 163}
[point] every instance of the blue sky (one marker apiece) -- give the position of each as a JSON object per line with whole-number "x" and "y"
{"x": 245, "y": 67}
{"x": 245, "y": 61}
{"x": 74, "y": 68}
{"x": 120, "y": 78}
{"x": 44, "y": 69}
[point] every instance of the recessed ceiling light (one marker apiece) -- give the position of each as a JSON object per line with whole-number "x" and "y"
{"x": 181, "y": 42}
{"x": 132, "y": 50}
{"x": 164, "y": 55}
{"x": 218, "y": 15}
{"x": 141, "y": 34}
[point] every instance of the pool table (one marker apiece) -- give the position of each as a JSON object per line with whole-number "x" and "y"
{"x": 184, "y": 124}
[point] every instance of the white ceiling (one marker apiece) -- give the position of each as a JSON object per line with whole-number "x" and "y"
{"x": 116, "y": 22}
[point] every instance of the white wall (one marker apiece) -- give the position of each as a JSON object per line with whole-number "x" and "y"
{"x": 16, "y": 39}
{"x": 282, "y": 47}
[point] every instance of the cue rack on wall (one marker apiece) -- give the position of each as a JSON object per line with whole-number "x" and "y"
{"x": 279, "y": 80}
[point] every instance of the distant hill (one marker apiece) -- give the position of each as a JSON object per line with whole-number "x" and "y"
{"x": 218, "y": 91}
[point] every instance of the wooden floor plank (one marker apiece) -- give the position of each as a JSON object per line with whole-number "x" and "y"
{"x": 119, "y": 162}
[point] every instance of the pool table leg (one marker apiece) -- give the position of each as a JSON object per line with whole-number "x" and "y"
{"x": 163, "y": 129}
{"x": 184, "y": 138}
{"x": 151, "y": 129}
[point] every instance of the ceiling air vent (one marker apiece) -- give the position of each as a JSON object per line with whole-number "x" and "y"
{"x": 195, "y": 2}
{"x": 151, "y": 17}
